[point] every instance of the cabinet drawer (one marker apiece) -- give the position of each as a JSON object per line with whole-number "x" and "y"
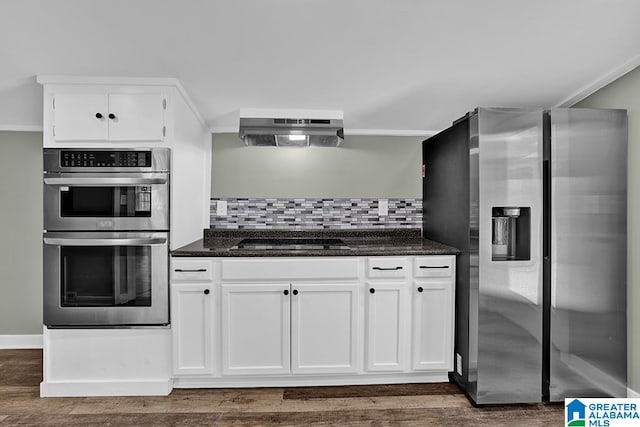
{"x": 433, "y": 266}
{"x": 388, "y": 267}
{"x": 191, "y": 270}
{"x": 289, "y": 269}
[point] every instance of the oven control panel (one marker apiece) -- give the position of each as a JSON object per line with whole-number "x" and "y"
{"x": 105, "y": 159}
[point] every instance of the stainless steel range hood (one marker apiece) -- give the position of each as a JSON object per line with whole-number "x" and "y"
{"x": 291, "y": 128}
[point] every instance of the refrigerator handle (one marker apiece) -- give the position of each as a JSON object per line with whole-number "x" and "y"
{"x": 546, "y": 214}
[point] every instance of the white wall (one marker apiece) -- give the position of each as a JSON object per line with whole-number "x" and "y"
{"x": 625, "y": 93}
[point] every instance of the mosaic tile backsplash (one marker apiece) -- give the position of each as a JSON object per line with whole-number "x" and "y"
{"x": 301, "y": 214}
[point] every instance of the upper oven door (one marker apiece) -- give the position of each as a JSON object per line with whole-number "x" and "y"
{"x": 106, "y": 201}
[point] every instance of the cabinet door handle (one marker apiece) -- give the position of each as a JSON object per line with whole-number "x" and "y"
{"x": 420, "y": 289}
{"x": 295, "y": 292}
{"x": 206, "y": 291}
{"x": 434, "y": 266}
{"x": 112, "y": 116}
{"x": 286, "y": 292}
{"x": 372, "y": 291}
{"x": 99, "y": 116}
{"x": 387, "y": 269}
{"x": 199, "y": 270}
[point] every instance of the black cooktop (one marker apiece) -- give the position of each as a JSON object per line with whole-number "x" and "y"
{"x": 290, "y": 244}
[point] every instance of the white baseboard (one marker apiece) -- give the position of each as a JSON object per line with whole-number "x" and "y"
{"x": 20, "y": 341}
{"x": 633, "y": 394}
{"x": 160, "y": 387}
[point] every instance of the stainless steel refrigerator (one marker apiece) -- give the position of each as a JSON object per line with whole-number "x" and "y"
{"x": 536, "y": 200}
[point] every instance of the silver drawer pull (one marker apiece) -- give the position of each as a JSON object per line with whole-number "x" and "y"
{"x": 199, "y": 270}
{"x": 434, "y": 266}
{"x": 387, "y": 269}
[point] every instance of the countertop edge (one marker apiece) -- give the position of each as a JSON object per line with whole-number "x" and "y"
{"x": 386, "y": 248}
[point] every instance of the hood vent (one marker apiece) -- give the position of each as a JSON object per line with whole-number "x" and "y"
{"x": 291, "y": 132}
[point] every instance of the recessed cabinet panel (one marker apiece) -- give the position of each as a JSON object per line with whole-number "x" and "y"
{"x": 191, "y": 270}
{"x": 432, "y": 325}
{"x": 387, "y": 326}
{"x": 324, "y": 328}
{"x": 290, "y": 269}
{"x": 136, "y": 117}
{"x": 81, "y": 117}
{"x": 192, "y": 312}
{"x": 255, "y": 329}
{"x": 388, "y": 267}
{"x": 434, "y": 266}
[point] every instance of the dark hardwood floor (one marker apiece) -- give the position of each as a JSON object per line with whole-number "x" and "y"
{"x": 384, "y": 405}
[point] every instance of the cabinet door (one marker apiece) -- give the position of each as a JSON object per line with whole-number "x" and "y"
{"x": 433, "y": 325}
{"x": 388, "y": 311}
{"x": 192, "y": 328}
{"x": 324, "y": 328}
{"x": 138, "y": 117}
{"x": 255, "y": 329}
{"x": 75, "y": 117}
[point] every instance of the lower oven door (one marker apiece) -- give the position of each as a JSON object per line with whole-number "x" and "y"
{"x": 106, "y": 279}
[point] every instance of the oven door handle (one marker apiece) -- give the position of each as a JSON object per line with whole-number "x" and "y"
{"x": 104, "y": 181}
{"x": 135, "y": 241}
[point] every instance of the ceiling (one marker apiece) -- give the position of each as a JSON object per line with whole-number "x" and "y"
{"x": 403, "y": 66}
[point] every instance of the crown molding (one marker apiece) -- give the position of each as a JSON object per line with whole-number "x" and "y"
{"x": 190, "y": 104}
{"x": 391, "y": 132}
{"x": 600, "y": 82}
{"x": 104, "y": 80}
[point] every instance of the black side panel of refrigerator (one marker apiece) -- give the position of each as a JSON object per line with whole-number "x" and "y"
{"x": 445, "y": 192}
{"x": 546, "y": 256}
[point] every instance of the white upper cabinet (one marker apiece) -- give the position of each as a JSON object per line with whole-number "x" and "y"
{"x": 108, "y": 117}
{"x": 117, "y": 111}
{"x": 137, "y": 117}
{"x": 81, "y": 117}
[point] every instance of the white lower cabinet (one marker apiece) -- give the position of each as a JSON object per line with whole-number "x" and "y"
{"x": 192, "y": 314}
{"x": 388, "y": 312}
{"x": 324, "y": 328}
{"x": 193, "y": 300}
{"x": 293, "y": 321}
{"x": 255, "y": 329}
{"x": 433, "y": 325}
{"x": 281, "y": 329}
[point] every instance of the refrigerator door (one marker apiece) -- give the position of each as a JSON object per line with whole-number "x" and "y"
{"x": 588, "y": 355}
{"x": 505, "y": 317}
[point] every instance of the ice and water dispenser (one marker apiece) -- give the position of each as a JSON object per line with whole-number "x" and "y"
{"x": 511, "y": 233}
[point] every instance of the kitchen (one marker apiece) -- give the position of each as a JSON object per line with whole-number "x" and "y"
{"x": 281, "y": 171}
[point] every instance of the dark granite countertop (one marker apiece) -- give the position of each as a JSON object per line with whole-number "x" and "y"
{"x": 362, "y": 242}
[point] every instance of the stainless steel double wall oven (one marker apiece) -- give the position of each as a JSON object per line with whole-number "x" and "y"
{"x": 106, "y": 237}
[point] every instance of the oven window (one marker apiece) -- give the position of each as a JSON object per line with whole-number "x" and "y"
{"x": 105, "y": 276}
{"x": 111, "y": 202}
